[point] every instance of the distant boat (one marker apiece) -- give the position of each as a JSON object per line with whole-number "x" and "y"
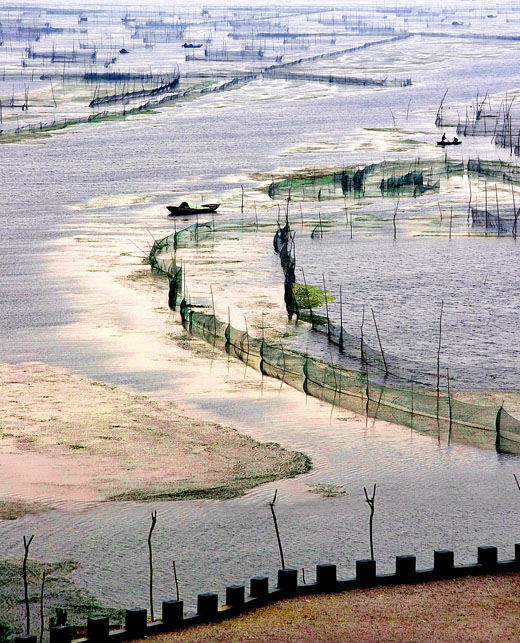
{"x": 444, "y": 143}
{"x": 184, "y": 208}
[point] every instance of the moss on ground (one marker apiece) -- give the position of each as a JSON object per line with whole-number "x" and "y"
{"x": 294, "y": 465}
{"x": 12, "y": 509}
{"x": 59, "y": 592}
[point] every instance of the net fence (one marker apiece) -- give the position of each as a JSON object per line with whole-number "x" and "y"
{"x": 394, "y": 400}
{"x": 440, "y": 416}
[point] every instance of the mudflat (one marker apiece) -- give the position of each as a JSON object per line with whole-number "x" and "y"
{"x": 65, "y": 437}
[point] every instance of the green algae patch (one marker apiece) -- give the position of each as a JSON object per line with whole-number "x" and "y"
{"x": 13, "y": 508}
{"x": 60, "y": 591}
{"x": 307, "y": 296}
{"x": 293, "y": 463}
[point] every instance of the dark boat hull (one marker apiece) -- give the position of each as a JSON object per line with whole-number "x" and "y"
{"x": 176, "y": 211}
{"x": 441, "y": 144}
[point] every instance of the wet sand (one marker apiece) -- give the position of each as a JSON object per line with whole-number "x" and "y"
{"x": 70, "y": 438}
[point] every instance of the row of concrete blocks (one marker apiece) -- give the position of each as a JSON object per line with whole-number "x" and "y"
{"x": 137, "y": 626}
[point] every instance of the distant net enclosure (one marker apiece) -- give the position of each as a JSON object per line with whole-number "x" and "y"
{"x": 381, "y": 179}
{"x": 430, "y": 413}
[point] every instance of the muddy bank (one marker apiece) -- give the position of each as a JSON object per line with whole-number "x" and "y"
{"x": 70, "y": 438}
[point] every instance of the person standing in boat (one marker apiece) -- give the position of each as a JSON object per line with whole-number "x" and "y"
{"x": 444, "y": 139}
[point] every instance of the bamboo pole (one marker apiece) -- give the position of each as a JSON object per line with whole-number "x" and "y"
{"x": 150, "y": 560}
{"x": 371, "y": 503}
{"x": 379, "y": 340}
{"x": 326, "y": 307}
{"x": 26, "y": 545}
{"x": 449, "y": 404}
{"x": 277, "y": 531}
{"x": 439, "y": 361}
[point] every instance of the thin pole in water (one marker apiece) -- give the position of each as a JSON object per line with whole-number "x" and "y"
{"x": 326, "y": 307}
{"x": 439, "y": 362}
{"x": 498, "y": 211}
{"x": 280, "y": 549}
{"x": 379, "y": 340}
{"x": 449, "y": 403}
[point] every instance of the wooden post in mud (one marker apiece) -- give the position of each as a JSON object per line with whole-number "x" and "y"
{"x": 379, "y": 340}
{"x": 449, "y": 404}
{"x": 439, "y": 363}
{"x": 516, "y": 480}
{"x": 326, "y": 307}
{"x": 341, "y": 347}
{"x": 308, "y": 298}
{"x": 371, "y": 503}
{"x": 361, "y": 337}
{"x": 411, "y": 404}
{"x": 150, "y": 560}
{"x": 176, "y": 581}
{"x": 515, "y": 213}
{"x": 277, "y": 531}
{"x": 470, "y": 197}
{"x": 451, "y": 222}
{"x": 498, "y": 211}
{"x": 214, "y": 313}
{"x": 486, "y": 203}
{"x": 440, "y": 209}
{"x": 42, "y": 622}
{"x": 26, "y": 545}
{"x": 395, "y": 214}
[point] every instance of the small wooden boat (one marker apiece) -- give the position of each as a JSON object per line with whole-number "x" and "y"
{"x": 445, "y": 143}
{"x": 184, "y": 209}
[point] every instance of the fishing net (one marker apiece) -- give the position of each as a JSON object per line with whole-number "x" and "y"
{"x": 389, "y": 396}
{"x": 439, "y": 416}
{"x": 373, "y": 180}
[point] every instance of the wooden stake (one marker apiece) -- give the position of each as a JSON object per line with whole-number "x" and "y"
{"x": 280, "y": 549}
{"x": 42, "y": 623}
{"x": 150, "y": 559}
{"x": 26, "y": 545}
{"x": 379, "y": 340}
{"x": 176, "y": 580}
{"x": 361, "y": 338}
{"x": 449, "y": 404}
{"x": 326, "y": 307}
{"x": 439, "y": 361}
{"x": 371, "y": 503}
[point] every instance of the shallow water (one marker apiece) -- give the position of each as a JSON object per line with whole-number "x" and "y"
{"x": 405, "y": 281}
{"x": 65, "y": 300}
